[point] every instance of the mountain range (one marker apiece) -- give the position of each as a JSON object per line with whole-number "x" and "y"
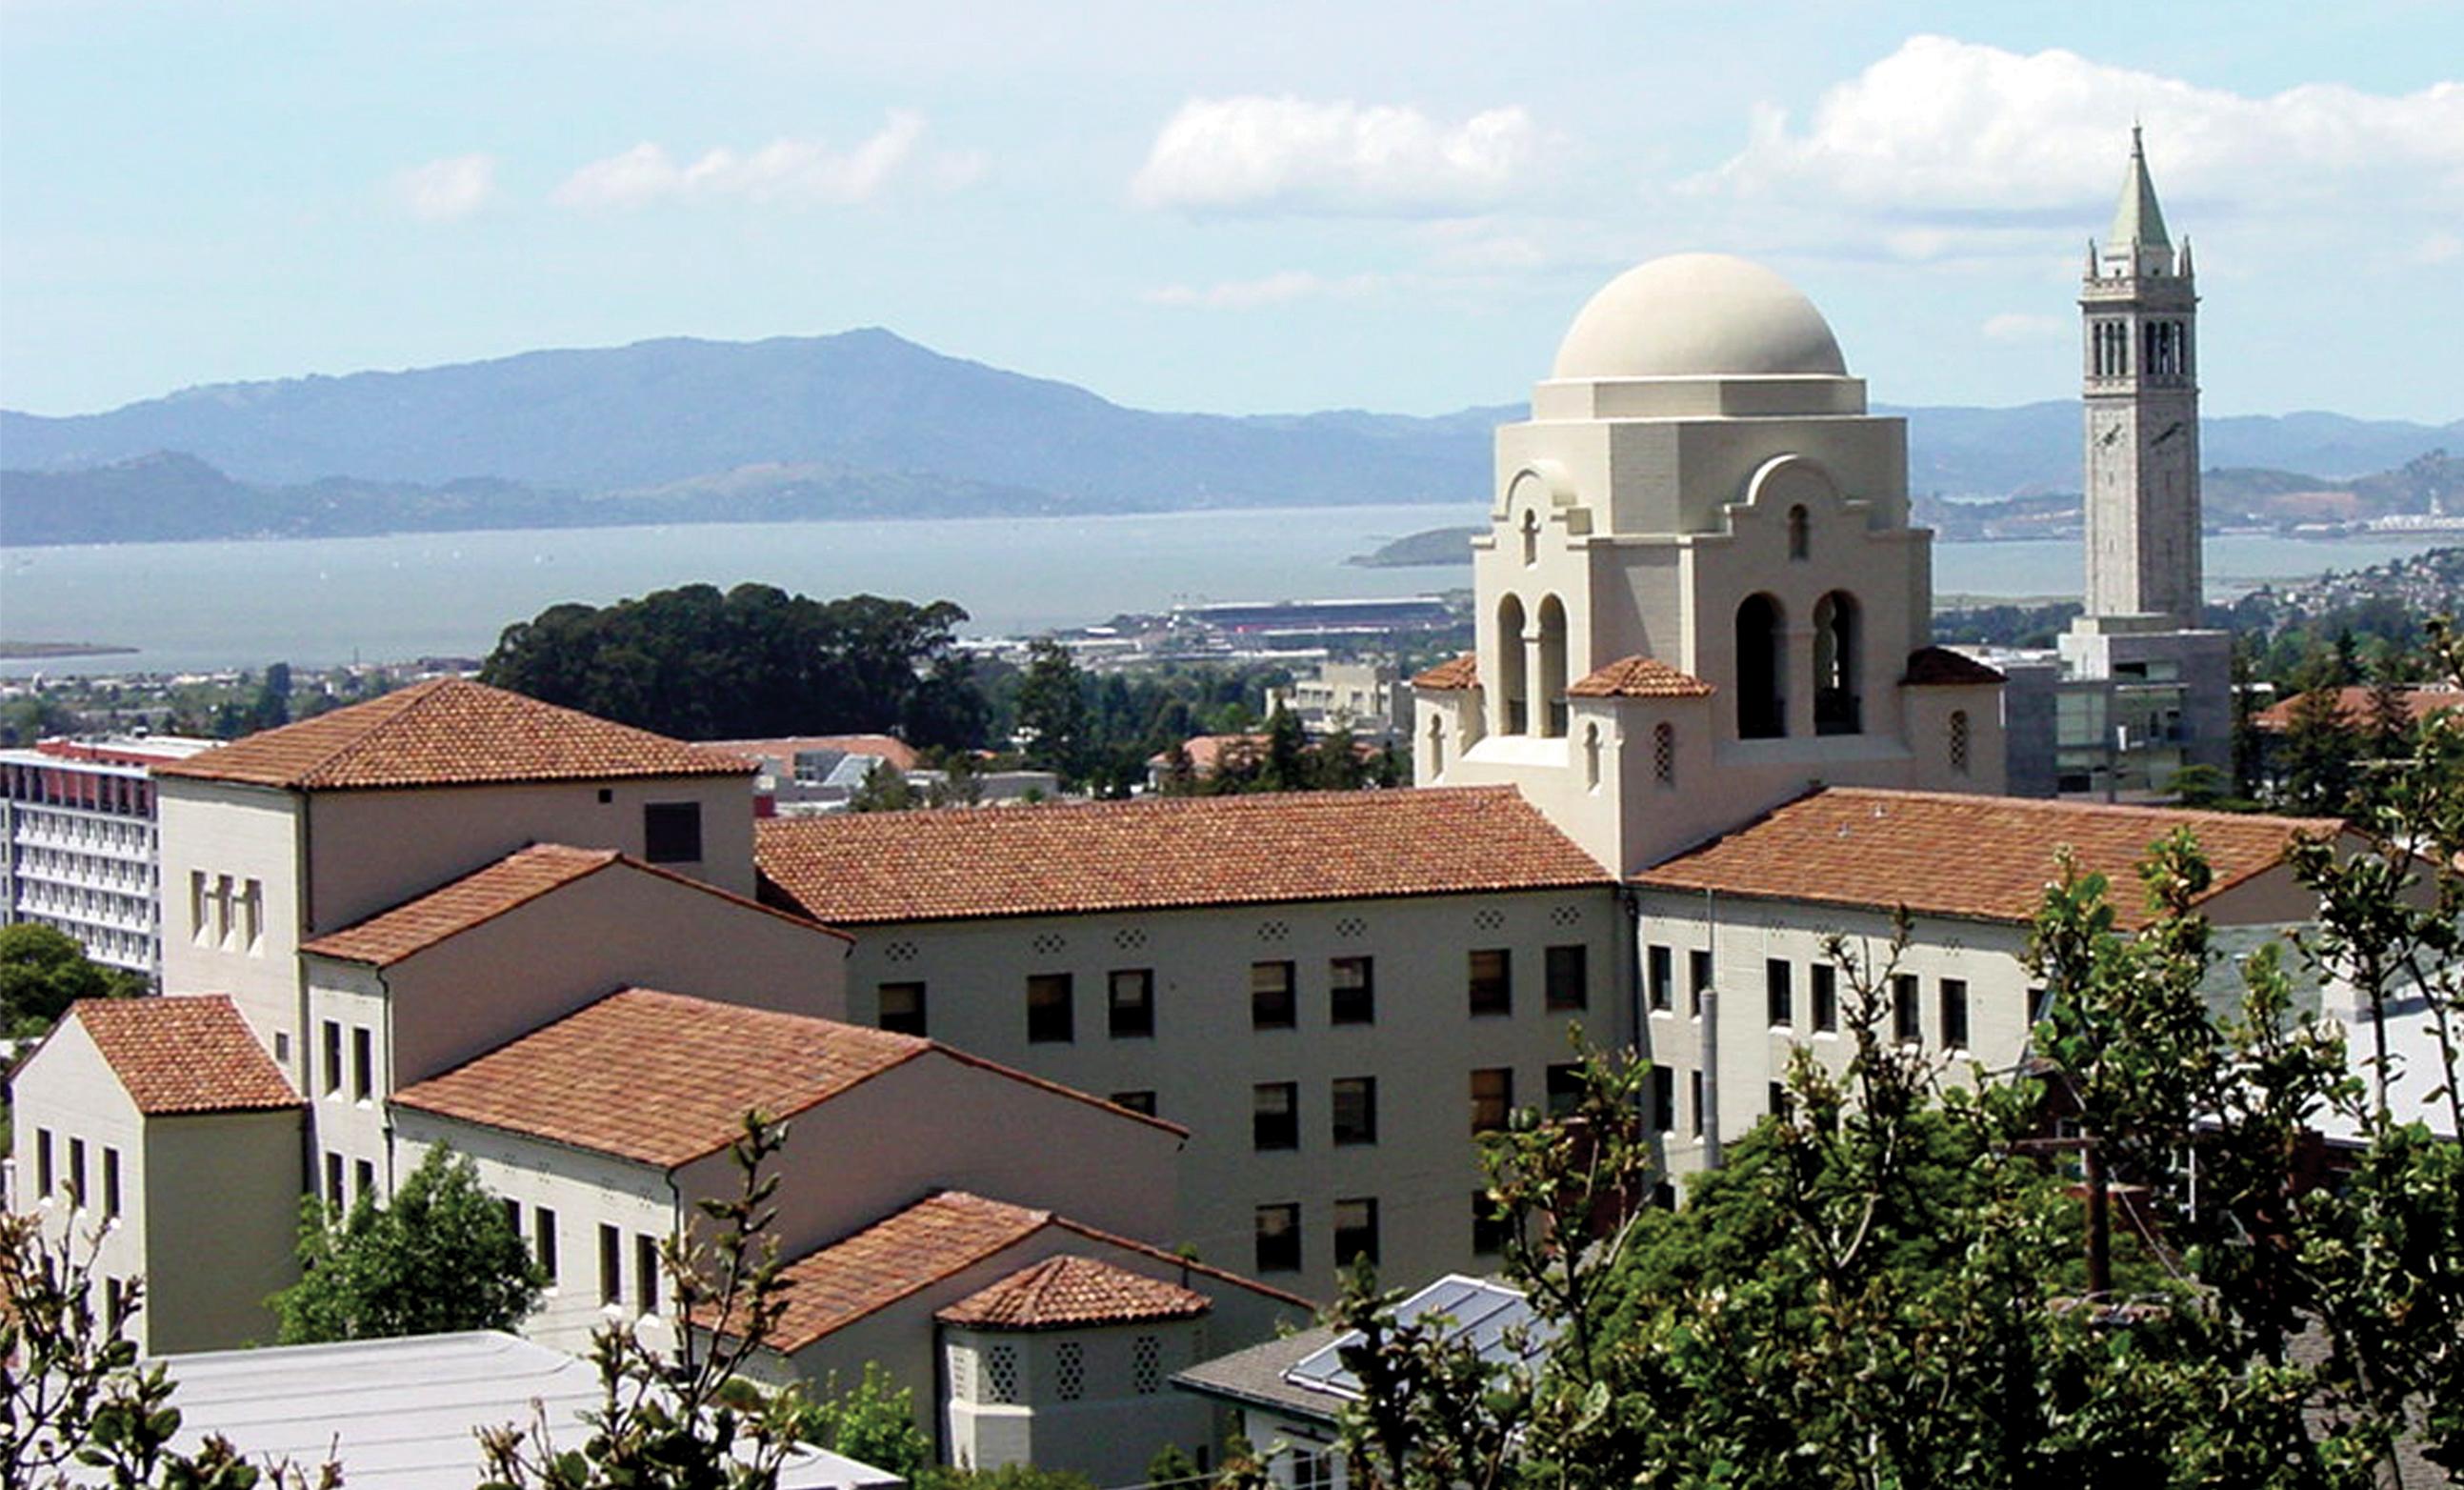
{"x": 859, "y": 424}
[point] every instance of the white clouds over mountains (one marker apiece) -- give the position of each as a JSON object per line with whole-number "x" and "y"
{"x": 803, "y": 172}
{"x": 1266, "y": 156}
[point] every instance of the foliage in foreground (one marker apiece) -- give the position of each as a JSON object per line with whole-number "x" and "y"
{"x": 441, "y": 1257}
{"x": 1882, "y": 1287}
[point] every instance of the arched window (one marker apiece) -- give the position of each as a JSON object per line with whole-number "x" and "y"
{"x": 1762, "y": 704}
{"x": 1837, "y": 709}
{"x": 1531, "y": 537}
{"x": 1511, "y": 692}
{"x": 1664, "y": 754}
{"x": 1437, "y": 746}
{"x": 1552, "y": 683}
{"x": 1958, "y": 743}
{"x": 1591, "y": 757}
{"x": 1800, "y": 534}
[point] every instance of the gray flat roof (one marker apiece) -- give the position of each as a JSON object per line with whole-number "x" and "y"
{"x": 402, "y": 1414}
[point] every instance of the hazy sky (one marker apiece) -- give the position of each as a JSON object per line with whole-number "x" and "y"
{"x": 1224, "y": 207}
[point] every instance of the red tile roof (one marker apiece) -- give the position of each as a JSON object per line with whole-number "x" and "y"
{"x": 660, "y": 1077}
{"x": 482, "y": 895}
{"x": 184, "y": 1054}
{"x": 1639, "y": 677}
{"x": 1940, "y": 667}
{"x": 930, "y": 1241}
{"x": 1063, "y": 1292}
{"x": 1945, "y": 854}
{"x": 1452, "y": 676}
{"x": 2355, "y": 710}
{"x": 1160, "y": 853}
{"x": 450, "y": 731}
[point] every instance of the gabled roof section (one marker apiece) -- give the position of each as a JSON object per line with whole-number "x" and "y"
{"x": 508, "y": 885}
{"x": 1456, "y": 675}
{"x": 1638, "y": 677}
{"x": 184, "y": 1053}
{"x": 1166, "y": 852}
{"x": 1070, "y": 1292}
{"x": 1940, "y": 667}
{"x": 659, "y": 1078}
{"x": 1988, "y": 858}
{"x": 929, "y": 1242}
{"x": 448, "y": 731}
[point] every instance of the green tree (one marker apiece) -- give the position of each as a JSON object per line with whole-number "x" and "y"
{"x": 869, "y": 1422}
{"x": 43, "y": 969}
{"x": 272, "y": 705}
{"x": 2320, "y": 752}
{"x": 883, "y": 788}
{"x": 1053, "y": 714}
{"x": 441, "y": 1257}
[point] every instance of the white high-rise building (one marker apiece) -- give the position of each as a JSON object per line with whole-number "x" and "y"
{"x": 78, "y": 843}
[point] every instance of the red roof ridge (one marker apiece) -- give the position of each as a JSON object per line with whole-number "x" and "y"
{"x": 183, "y": 1053}
{"x": 1065, "y": 1290}
{"x": 1455, "y": 675}
{"x": 794, "y": 1334}
{"x": 2064, "y": 805}
{"x": 349, "y": 943}
{"x": 1639, "y": 677}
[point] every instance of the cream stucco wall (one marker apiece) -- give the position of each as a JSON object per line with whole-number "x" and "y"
{"x": 211, "y": 831}
{"x": 1093, "y": 1419}
{"x": 1206, "y": 1058}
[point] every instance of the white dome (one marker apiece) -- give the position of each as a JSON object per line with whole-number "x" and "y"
{"x": 1698, "y": 316}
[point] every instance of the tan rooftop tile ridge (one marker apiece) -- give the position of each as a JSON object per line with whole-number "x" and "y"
{"x": 1071, "y": 1290}
{"x": 184, "y": 1053}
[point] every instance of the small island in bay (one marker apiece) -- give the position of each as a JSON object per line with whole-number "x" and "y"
{"x": 1417, "y": 550}
{"x": 13, "y": 650}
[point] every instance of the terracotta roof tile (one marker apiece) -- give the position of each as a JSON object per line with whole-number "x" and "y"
{"x": 184, "y": 1053}
{"x": 1452, "y": 676}
{"x": 390, "y": 936}
{"x": 1062, "y": 1292}
{"x": 1160, "y": 853}
{"x": 1940, "y": 667}
{"x": 1639, "y": 677}
{"x": 660, "y": 1077}
{"x": 1946, "y": 854}
{"x": 2355, "y": 710}
{"x": 450, "y": 731}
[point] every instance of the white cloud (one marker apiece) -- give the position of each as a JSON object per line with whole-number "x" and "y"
{"x": 2019, "y": 326}
{"x": 1959, "y": 133}
{"x": 1261, "y": 155}
{"x": 803, "y": 172}
{"x": 1275, "y": 289}
{"x": 447, "y": 188}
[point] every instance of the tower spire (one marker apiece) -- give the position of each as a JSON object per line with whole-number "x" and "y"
{"x": 2138, "y": 222}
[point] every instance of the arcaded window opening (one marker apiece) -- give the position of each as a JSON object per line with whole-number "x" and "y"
{"x": 1800, "y": 534}
{"x": 1838, "y": 709}
{"x": 1553, "y": 668}
{"x": 1762, "y": 703}
{"x": 1512, "y": 701}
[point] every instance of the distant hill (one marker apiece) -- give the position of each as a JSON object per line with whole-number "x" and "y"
{"x": 859, "y": 424}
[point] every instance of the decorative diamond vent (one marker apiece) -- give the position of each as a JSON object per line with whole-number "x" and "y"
{"x": 1001, "y": 1374}
{"x": 1146, "y": 1366}
{"x": 1129, "y": 938}
{"x": 1070, "y": 1371}
{"x": 1350, "y": 926}
{"x": 899, "y": 952}
{"x": 1490, "y": 920}
{"x": 1273, "y": 931}
{"x": 1566, "y": 916}
{"x": 1050, "y": 943}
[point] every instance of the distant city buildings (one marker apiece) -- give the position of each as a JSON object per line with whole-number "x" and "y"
{"x": 78, "y": 842}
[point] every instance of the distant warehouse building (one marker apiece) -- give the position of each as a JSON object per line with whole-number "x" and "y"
{"x": 76, "y": 821}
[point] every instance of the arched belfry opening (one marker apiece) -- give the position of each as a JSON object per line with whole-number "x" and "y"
{"x": 1838, "y": 705}
{"x": 1551, "y": 685}
{"x": 1762, "y": 700}
{"x": 1531, "y": 537}
{"x": 1513, "y": 697}
{"x": 1800, "y": 533}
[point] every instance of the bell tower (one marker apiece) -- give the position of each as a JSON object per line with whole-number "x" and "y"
{"x": 2139, "y": 308}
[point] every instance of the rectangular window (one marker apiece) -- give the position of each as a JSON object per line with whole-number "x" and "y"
{"x": 1663, "y": 1099}
{"x": 671, "y": 832}
{"x": 1049, "y": 1017}
{"x": 199, "y": 932}
{"x": 543, "y": 1240}
{"x": 512, "y": 1215}
{"x": 1660, "y": 978}
{"x": 1488, "y": 1226}
{"x": 1563, "y": 1086}
{"x": 1136, "y": 1101}
{"x": 1492, "y": 981}
{"x": 364, "y": 1178}
{"x": 611, "y": 1264}
{"x": 110, "y": 1183}
{"x": 1954, "y": 1013}
{"x": 1355, "y": 1230}
{"x": 1778, "y": 992}
{"x": 1354, "y": 1102}
{"x": 902, "y": 1008}
{"x": 333, "y": 1056}
{"x": 1351, "y": 995}
{"x": 1826, "y": 997}
{"x": 645, "y": 1273}
{"x": 1694, "y": 1099}
{"x": 77, "y": 1173}
{"x": 334, "y": 1180}
{"x": 1908, "y": 1015}
{"x": 1492, "y": 1098}
{"x": 364, "y": 1065}
{"x": 1279, "y": 1238}
{"x": 1564, "y": 976}
{"x": 1697, "y": 979}
{"x": 1777, "y": 1098}
{"x": 44, "y": 1180}
{"x": 1133, "y": 1003}
{"x": 1275, "y": 1115}
{"x": 252, "y": 915}
{"x": 1272, "y": 1002}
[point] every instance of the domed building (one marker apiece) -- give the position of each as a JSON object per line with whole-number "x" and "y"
{"x": 1700, "y": 594}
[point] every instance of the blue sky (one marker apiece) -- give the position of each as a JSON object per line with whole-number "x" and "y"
{"x": 1224, "y": 207}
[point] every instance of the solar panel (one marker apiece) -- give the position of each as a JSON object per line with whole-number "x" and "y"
{"x": 1484, "y": 1316}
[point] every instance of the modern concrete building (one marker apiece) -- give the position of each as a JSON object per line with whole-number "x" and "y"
{"x": 78, "y": 843}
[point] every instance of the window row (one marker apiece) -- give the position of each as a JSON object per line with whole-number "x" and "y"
{"x": 1279, "y": 1247}
{"x": 1905, "y": 997}
{"x": 1275, "y": 1120}
{"x": 1660, "y": 978}
{"x": 362, "y": 1186}
{"x": 226, "y": 913}
{"x": 50, "y": 1181}
{"x": 363, "y": 1064}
